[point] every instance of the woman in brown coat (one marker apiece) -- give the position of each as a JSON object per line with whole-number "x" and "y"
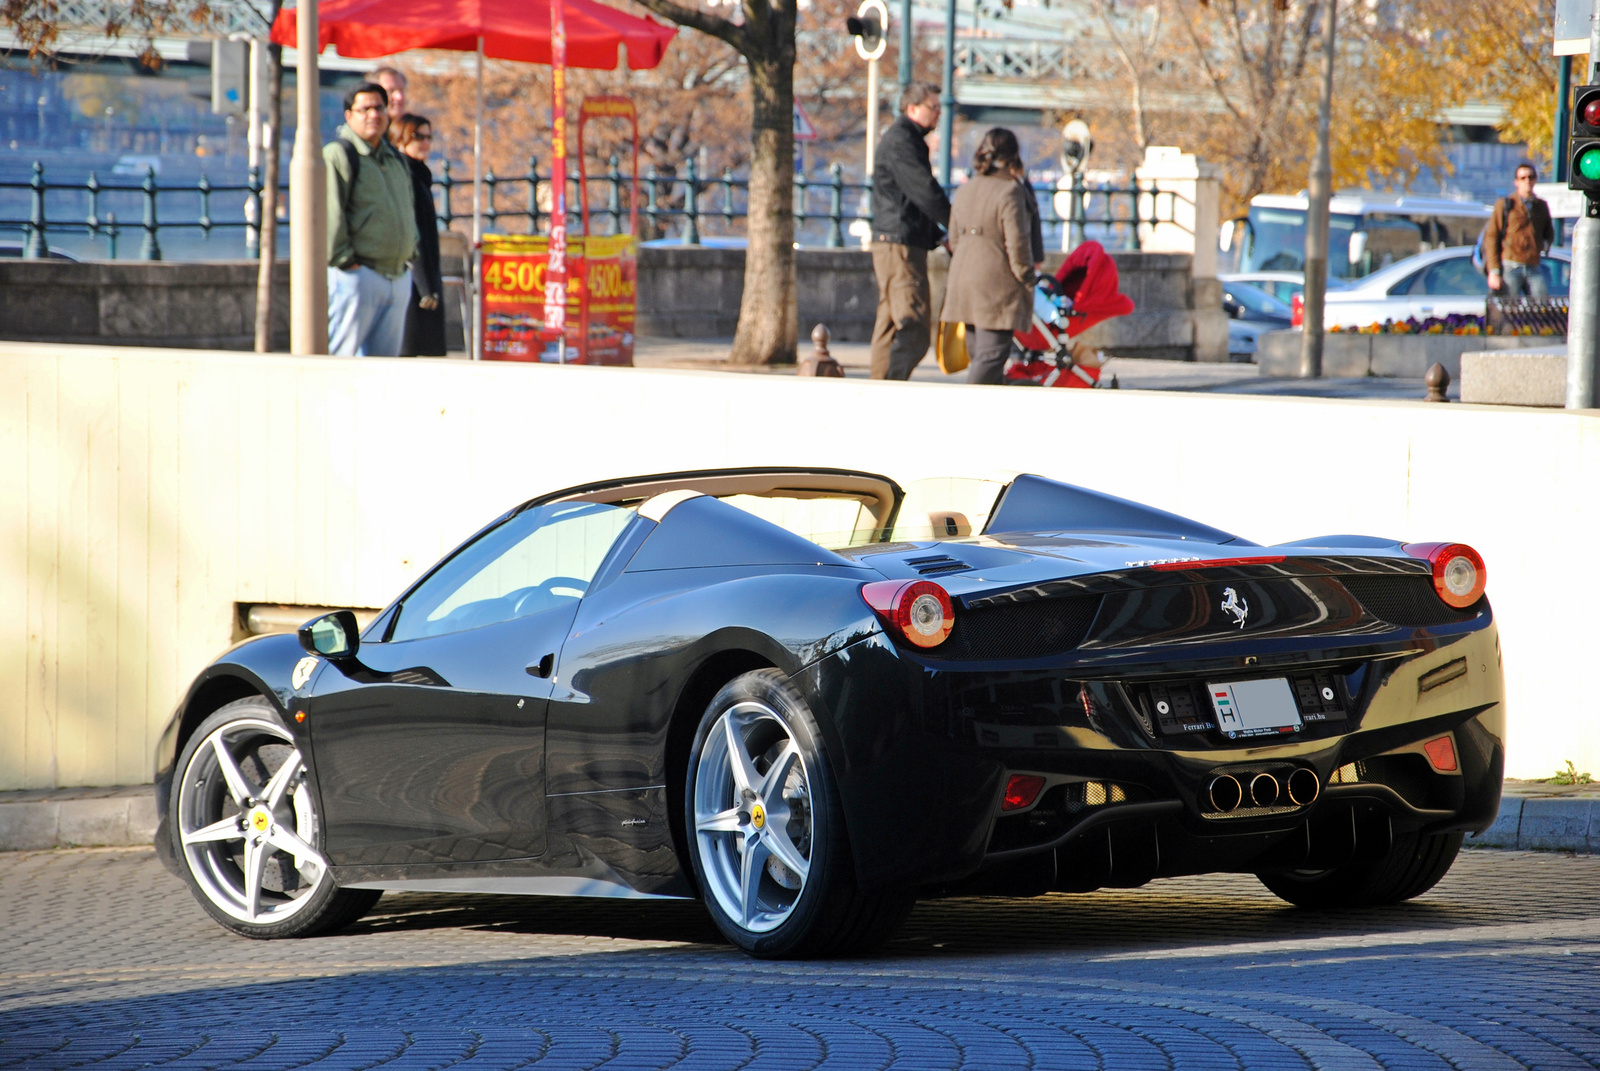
{"x": 990, "y": 286}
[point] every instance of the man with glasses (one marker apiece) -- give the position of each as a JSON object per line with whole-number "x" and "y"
{"x": 1518, "y": 234}
{"x": 909, "y": 211}
{"x": 372, "y": 231}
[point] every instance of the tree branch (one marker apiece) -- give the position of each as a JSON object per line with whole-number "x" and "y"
{"x": 695, "y": 19}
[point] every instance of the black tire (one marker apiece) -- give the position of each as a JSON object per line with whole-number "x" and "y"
{"x": 288, "y": 901}
{"x": 829, "y": 914}
{"x": 1413, "y": 866}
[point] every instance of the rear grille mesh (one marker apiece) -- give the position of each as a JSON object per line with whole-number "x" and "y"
{"x": 1408, "y": 601}
{"x": 1019, "y": 630}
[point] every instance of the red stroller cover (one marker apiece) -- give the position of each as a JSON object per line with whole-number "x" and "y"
{"x": 1089, "y": 277}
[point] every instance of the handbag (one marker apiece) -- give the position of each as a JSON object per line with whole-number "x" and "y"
{"x": 950, "y": 346}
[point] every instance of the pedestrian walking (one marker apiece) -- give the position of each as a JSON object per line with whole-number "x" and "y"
{"x": 1519, "y": 233}
{"x": 990, "y": 288}
{"x": 372, "y": 231}
{"x": 424, "y": 334}
{"x": 909, "y": 211}
{"x": 394, "y": 84}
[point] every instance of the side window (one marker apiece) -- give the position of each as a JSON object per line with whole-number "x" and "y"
{"x": 538, "y": 560}
{"x": 1455, "y": 277}
{"x": 1407, "y": 285}
{"x": 1560, "y": 275}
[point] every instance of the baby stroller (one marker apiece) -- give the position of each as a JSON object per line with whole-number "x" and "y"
{"x": 1082, "y": 293}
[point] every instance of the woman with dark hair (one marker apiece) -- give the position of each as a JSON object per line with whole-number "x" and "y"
{"x": 424, "y": 337}
{"x": 990, "y": 286}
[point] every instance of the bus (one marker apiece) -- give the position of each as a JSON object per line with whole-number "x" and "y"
{"x": 1366, "y": 231}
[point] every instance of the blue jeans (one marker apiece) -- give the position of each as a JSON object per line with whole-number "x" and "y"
{"x": 1519, "y": 280}
{"x": 366, "y": 312}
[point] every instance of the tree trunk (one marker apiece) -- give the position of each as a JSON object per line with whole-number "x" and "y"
{"x": 767, "y": 314}
{"x": 269, "y": 198}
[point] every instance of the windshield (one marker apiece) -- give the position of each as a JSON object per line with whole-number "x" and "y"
{"x": 1276, "y": 241}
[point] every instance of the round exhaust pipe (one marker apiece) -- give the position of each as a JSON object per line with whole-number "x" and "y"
{"x": 1263, "y": 790}
{"x": 1225, "y": 793}
{"x": 1304, "y": 787}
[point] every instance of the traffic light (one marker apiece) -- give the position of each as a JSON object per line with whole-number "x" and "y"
{"x": 1583, "y": 147}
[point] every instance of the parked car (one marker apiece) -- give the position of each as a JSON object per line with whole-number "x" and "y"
{"x": 1437, "y": 283}
{"x": 808, "y": 696}
{"x": 1251, "y": 311}
{"x": 12, "y": 250}
{"x": 1283, "y": 285}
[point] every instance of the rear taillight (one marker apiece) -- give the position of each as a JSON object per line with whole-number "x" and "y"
{"x": 1297, "y": 311}
{"x": 1458, "y": 573}
{"x": 1021, "y": 791}
{"x": 918, "y": 611}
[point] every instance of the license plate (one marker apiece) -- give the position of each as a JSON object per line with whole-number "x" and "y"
{"x": 1255, "y": 708}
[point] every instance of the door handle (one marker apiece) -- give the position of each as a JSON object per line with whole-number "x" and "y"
{"x": 544, "y": 667}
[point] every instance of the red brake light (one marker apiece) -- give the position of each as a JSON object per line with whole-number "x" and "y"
{"x": 1213, "y": 563}
{"x": 1297, "y": 311}
{"x": 1021, "y": 791}
{"x": 1459, "y": 575}
{"x": 919, "y": 611}
{"x": 1441, "y": 752}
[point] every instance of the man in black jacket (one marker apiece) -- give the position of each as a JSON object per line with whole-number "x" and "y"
{"x": 909, "y": 211}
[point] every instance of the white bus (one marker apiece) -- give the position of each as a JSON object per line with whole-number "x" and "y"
{"x": 1366, "y": 231}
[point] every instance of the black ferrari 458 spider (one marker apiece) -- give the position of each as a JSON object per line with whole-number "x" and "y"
{"x": 809, "y": 697}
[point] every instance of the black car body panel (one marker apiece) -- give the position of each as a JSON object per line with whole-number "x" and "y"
{"x": 544, "y": 753}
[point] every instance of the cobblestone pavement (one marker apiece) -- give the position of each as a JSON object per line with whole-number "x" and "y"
{"x": 108, "y": 963}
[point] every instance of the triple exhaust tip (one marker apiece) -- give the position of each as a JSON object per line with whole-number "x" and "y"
{"x": 1227, "y": 794}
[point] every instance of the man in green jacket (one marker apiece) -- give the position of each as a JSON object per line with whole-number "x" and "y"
{"x": 372, "y": 231}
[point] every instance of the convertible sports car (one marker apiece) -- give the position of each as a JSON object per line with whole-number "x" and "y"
{"x": 809, "y": 696}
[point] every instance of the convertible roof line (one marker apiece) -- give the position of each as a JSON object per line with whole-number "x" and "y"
{"x": 658, "y": 506}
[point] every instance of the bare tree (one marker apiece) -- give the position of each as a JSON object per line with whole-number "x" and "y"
{"x": 1136, "y": 37}
{"x": 765, "y": 37}
{"x": 38, "y": 23}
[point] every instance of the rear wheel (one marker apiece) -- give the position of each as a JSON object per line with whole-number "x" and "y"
{"x": 766, "y": 831}
{"x": 1412, "y": 867}
{"x": 244, "y": 829}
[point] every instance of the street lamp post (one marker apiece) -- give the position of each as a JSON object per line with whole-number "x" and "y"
{"x": 947, "y": 93}
{"x": 308, "y": 199}
{"x": 870, "y": 27}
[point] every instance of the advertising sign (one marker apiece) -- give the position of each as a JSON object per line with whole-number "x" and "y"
{"x": 601, "y": 287}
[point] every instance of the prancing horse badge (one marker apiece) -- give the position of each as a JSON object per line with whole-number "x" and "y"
{"x": 1232, "y": 604}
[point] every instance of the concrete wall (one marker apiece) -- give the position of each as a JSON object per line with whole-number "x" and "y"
{"x": 146, "y": 492}
{"x": 1403, "y": 356}
{"x": 684, "y": 292}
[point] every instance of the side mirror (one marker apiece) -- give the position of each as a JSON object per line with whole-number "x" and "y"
{"x": 332, "y": 635}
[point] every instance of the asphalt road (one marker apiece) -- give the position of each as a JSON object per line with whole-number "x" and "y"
{"x": 108, "y": 963}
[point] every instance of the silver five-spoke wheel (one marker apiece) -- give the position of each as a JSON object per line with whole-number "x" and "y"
{"x": 753, "y": 816}
{"x": 245, "y": 824}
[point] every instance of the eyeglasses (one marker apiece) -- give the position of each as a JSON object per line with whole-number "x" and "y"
{"x": 375, "y": 109}
{"x": 1523, "y": 176}
{"x": 421, "y": 137}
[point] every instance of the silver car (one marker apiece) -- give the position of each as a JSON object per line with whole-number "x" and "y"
{"x": 1438, "y": 283}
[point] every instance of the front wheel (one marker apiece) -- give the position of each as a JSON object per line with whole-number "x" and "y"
{"x": 244, "y": 829}
{"x": 766, "y": 831}
{"x": 1412, "y": 866}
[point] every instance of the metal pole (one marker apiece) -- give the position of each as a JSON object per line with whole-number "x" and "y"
{"x": 1317, "y": 217}
{"x": 905, "y": 46}
{"x": 1583, "y": 317}
{"x": 476, "y": 333}
{"x": 253, "y": 139}
{"x": 947, "y": 93}
{"x": 555, "y": 272}
{"x": 308, "y": 199}
{"x": 1558, "y": 152}
{"x": 872, "y": 114}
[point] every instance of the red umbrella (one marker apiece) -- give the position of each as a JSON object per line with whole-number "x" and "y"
{"x": 579, "y": 33}
{"x": 516, "y": 30}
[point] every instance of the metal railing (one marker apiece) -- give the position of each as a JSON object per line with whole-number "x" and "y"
{"x": 685, "y": 208}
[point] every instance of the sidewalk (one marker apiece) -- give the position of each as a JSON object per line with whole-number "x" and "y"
{"x": 1132, "y": 373}
{"x": 1534, "y": 815}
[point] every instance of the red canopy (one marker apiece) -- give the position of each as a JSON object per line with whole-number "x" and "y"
{"x": 511, "y": 30}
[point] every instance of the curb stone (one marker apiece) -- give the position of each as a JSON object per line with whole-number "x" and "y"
{"x": 40, "y": 820}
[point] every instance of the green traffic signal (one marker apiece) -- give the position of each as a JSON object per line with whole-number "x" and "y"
{"x": 1589, "y": 163}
